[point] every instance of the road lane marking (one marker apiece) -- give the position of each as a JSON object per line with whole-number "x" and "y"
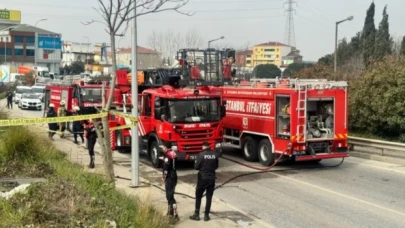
{"x": 342, "y": 195}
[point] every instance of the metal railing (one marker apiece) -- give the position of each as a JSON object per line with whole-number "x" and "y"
{"x": 377, "y": 147}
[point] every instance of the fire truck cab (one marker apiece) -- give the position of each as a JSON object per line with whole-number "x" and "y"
{"x": 178, "y": 107}
{"x": 300, "y": 119}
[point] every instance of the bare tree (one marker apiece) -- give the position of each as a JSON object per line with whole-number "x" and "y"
{"x": 169, "y": 42}
{"x": 116, "y": 16}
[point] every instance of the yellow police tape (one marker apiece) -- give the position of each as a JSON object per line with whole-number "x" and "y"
{"x": 44, "y": 120}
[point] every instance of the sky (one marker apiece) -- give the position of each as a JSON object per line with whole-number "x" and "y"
{"x": 242, "y": 22}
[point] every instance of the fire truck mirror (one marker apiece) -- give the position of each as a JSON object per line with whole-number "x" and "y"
{"x": 222, "y": 111}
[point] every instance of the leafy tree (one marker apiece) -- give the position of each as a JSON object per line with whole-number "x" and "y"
{"x": 369, "y": 36}
{"x": 77, "y": 67}
{"x": 267, "y": 71}
{"x": 295, "y": 67}
{"x": 326, "y": 60}
{"x": 402, "y": 50}
{"x": 376, "y": 100}
{"x": 383, "y": 45}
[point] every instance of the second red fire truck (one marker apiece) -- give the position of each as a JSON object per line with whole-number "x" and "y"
{"x": 301, "y": 119}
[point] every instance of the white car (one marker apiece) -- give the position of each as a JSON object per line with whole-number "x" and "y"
{"x": 20, "y": 90}
{"x": 30, "y": 101}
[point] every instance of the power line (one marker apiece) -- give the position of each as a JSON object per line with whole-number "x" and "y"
{"x": 289, "y": 34}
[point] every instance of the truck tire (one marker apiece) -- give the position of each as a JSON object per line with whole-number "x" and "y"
{"x": 118, "y": 142}
{"x": 266, "y": 155}
{"x": 154, "y": 154}
{"x": 249, "y": 147}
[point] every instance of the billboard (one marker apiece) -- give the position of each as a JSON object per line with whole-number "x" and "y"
{"x": 10, "y": 15}
{"x": 4, "y": 73}
{"x": 46, "y": 42}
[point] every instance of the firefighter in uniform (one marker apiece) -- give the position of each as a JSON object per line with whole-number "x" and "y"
{"x": 206, "y": 163}
{"x": 61, "y": 113}
{"x": 169, "y": 176}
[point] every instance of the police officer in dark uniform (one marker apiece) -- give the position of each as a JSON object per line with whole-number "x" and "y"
{"x": 206, "y": 163}
{"x": 169, "y": 176}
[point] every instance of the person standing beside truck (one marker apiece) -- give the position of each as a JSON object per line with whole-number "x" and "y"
{"x": 9, "y": 99}
{"x": 91, "y": 136}
{"x": 62, "y": 112}
{"x": 53, "y": 127}
{"x": 169, "y": 176}
{"x": 206, "y": 164}
{"x": 77, "y": 126}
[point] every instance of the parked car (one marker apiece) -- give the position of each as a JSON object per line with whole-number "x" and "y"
{"x": 30, "y": 101}
{"x": 19, "y": 91}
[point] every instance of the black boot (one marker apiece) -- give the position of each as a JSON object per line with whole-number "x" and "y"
{"x": 195, "y": 216}
{"x": 175, "y": 217}
{"x": 91, "y": 165}
{"x": 207, "y": 217}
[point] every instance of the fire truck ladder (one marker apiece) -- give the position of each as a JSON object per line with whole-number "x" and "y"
{"x": 302, "y": 113}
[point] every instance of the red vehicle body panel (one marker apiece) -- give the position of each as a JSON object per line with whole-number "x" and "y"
{"x": 252, "y": 111}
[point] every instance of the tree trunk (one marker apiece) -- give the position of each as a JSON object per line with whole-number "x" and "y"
{"x": 104, "y": 142}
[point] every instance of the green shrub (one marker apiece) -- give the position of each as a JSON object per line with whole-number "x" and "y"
{"x": 376, "y": 100}
{"x": 18, "y": 144}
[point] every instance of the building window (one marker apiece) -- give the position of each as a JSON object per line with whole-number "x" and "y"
{"x": 30, "y": 52}
{"x": 18, "y": 39}
{"x": 267, "y": 56}
{"x": 8, "y": 51}
{"x": 248, "y": 56}
{"x": 30, "y": 40}
{"x": 277, "y": 56}
{"x": 269, "y": 50}
{"x": 18, "y": 52}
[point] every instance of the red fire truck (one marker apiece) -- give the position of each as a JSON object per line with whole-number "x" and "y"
{"x": 87, "y": 97}
{"x": 172, "y": 113}
{"x": 301, "y": 119}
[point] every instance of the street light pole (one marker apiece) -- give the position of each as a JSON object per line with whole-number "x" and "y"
{"x": 209, "y": 51}
{"x": 134, "y": 110}
{"x": 88, "y": 41}
{"x": 336, "y": 43}
{"x": 44, "y": 19}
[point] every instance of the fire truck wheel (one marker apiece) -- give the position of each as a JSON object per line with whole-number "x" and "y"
{"x": 250, "y": 148}
{"x": 266, "y": 155}
{"x": 154, "y": 154}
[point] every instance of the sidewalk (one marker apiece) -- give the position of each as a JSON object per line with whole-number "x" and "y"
{"x": 224, "y": 215}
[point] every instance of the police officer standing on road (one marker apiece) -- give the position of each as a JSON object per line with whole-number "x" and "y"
{"x": 206, "y": 163}
{"x": 169, "y": 176}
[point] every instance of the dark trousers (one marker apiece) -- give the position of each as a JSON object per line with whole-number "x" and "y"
{"x": 91, "y": 142}
{"x": 203, "y": 185}
{"x": 75, "y": 136}
{"x": 170, "y": 186}
{"x": 9, "y": 103}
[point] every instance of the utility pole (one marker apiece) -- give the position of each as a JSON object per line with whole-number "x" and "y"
{"x": 134, "y": 95}
{"x": 336, "y": 44}
{"x": 289, "y": 34}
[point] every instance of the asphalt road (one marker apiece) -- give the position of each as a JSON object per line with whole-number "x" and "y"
{"x": 358, "y": 193}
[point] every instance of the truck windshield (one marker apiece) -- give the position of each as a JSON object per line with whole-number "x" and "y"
{"x": 194, "y": 111}
{"x": 38, "y": 90}
{"x": 91, "y": 94}
{"x": 23, "y": 90}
